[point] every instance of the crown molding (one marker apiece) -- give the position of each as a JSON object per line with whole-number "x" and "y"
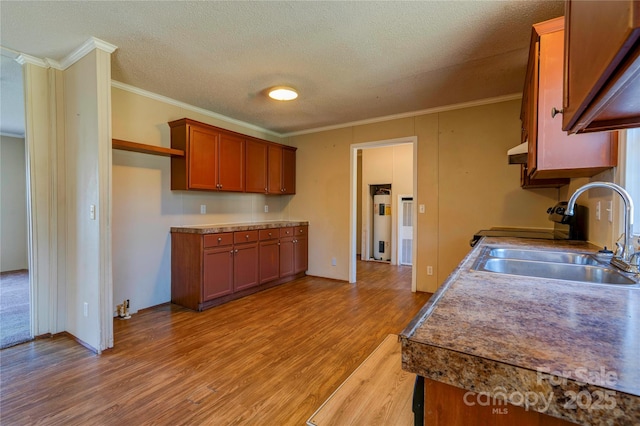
{"x": 88, "y": 46}
{"x": 451, "y": 107}
{"x": 23, "y": 58}
{"x": 196, "y": 109}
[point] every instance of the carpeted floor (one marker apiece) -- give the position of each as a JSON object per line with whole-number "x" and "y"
{"x": 14, "y": 308}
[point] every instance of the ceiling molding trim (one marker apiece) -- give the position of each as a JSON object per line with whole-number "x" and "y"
{"x": 198, "y": 110}
{"x": 9, "y": 53}
{"x": 12, "y": 135}
{"x": 452, "y": 107}
{"x": 88, "y": 46}
{"x": 23, "y": 58}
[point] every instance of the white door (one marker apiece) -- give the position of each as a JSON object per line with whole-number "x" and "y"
{"x": 405, "y": 230}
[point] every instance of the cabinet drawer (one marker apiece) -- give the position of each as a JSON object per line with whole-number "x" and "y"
{"x": 269, "y": 234}
{"x": 286, "y": 232}
{"x": 217, "y": 240}
{"x": 300, "y": 230}
{"x": 240, "y": 237}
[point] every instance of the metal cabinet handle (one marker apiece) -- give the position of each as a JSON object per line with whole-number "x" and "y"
{"x": 219, "y": 239}
{"x": 269, "y": 233}
{"x": 555, "y": 111}
{"x": 247, "y": 236}
{"x": 236, "y": 250}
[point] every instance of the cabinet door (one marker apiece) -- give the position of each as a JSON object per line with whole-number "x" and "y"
{"x": 301, "y": 256}
{"x": 231, "y": 163}
{"x": 269, "y": 261}
{"x": 602, "y": 64}
{"x": 245, "y": 266}
{"x": 288, "y": 171}
{"x": 217, "y": 273}
{"x": 556, "y": 154}
{"x": 287, "y": 263}
{"x": 256, "y": 167}
{"x": 202, "y": 153}
{"x": 275, "y": 170}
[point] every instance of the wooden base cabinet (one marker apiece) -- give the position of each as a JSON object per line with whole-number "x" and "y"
{"x": 446, "y": 405}
{"x": 210, "y": 269}
{"x": 245, "y": 260}
{"x": 269, "y": 255}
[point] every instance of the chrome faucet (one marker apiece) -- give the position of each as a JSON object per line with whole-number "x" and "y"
{"x": 627, "y": 247}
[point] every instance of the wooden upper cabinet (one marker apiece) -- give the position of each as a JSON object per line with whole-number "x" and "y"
{"x": 288, "y": 170}
{"x": 552, "y": 153}
{"x": 231, "y": 173}
{"x": 256, "y": 166}
{"x": 281, "y": 170}
{"x": 274, "y": 171}
{"x": 203, "y": 158}
{"x": 221, "y": 160}
{"x": 602, "y": 66}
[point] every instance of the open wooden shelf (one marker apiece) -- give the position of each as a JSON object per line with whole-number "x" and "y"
{"x": 146, "y": 149}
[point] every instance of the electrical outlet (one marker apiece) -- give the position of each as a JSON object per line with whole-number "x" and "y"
{"x": 429, "y": 270}
{"x": 421, "y": 208}
{"x": 333, "y": 261}
{"x": 610, "y": 211}
{"x": 85, "y": 309}
{"x": 266, "y": 208}
{"x": 598, "y": 211}
{"x": 203, "y": 209}
{"x": 92, "y": 212}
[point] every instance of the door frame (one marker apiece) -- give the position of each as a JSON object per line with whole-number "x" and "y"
{"x": 353, "y": 197}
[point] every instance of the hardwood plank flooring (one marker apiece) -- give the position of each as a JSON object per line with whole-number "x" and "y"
{"x": 378, "y": 393}
{"x": 271, "y": 358}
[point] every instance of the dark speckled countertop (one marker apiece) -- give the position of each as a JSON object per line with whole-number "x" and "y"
{"x": 568, "y": 349}
{"x": 231, "y": 227}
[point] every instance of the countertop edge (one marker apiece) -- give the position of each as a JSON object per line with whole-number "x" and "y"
{"x": 498, "y": 382}
{"x": 232, "y": 227}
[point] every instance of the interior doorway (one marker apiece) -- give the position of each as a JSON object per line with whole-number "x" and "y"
{"x": 359, "y": 232}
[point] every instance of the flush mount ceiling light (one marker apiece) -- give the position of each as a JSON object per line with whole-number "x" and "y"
{"x": 282, "y": 93}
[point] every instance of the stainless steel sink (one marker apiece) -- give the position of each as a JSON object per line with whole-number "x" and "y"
{"x": 559, "y": 271}
{"x": 548, "y": 264}
{"x": 543, "y": 256}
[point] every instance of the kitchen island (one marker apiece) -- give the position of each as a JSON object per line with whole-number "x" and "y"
{"x": 498, "y": 348}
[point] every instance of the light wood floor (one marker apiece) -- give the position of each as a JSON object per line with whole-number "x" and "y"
{"x": 271, "y": 358}
{"x": 378, "y": 393}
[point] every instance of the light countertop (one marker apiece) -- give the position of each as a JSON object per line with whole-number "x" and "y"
{"x": 490, "y": 332}
{"x": 231, "y": 227}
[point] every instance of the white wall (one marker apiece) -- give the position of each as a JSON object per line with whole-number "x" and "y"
{"x": 87, "y": 170}
{"x": 391, "y": 164}
{"x": 13, "y": 204}
{"x": 145, "y": 208}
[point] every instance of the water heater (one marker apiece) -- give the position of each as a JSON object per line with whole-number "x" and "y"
{"x": 382, "y": 227}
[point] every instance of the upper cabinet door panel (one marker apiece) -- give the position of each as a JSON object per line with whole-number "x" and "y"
{"x": 602, "y": 66}
{"x": 202, "y": 158}
{"x": 275, "y": 170}
{"x": 256, "y": 166}
{"x": 231, "y": 163}
{"x": 288, "y": 171}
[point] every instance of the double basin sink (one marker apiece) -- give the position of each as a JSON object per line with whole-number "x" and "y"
{"x": 549, "y": 264}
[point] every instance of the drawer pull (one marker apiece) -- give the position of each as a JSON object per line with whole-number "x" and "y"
{"x": 247, "y": 236}
{"x": 219, "y": 239}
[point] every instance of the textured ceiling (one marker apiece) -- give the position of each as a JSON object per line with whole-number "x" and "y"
{"x": 350, "y": 61}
